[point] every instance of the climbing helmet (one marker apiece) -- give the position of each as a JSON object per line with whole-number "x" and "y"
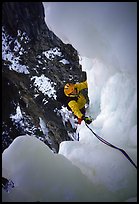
{"x": 68, "y": 89}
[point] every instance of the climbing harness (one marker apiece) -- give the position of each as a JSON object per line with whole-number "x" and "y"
{"x": 109, "y": 144}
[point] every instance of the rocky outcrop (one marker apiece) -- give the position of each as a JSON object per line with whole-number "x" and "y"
{"x": 29, "y": 45}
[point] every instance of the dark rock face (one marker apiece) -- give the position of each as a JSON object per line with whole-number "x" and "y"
{"x": 24, "y": 16}
{"x": 29, "y": 45}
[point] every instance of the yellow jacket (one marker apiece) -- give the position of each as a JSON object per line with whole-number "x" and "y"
{"x": 76, "y": 106}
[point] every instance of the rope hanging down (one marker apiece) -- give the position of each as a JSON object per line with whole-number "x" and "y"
{"x": 109, "y": 144}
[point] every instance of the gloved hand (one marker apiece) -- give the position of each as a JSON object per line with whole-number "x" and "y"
{"x": 79, "y": 120}
{"x": 87, "y": 119}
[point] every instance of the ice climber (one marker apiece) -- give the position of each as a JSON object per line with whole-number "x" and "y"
{"x": 75, "y": 97}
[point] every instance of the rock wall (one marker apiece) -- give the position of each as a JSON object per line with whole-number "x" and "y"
{"x": 23, "y": 24}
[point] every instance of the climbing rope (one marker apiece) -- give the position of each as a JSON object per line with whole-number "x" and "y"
{"x": 109, "y": 144}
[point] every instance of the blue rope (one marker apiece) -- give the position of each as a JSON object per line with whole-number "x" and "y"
{"x": 109, "y": 144}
